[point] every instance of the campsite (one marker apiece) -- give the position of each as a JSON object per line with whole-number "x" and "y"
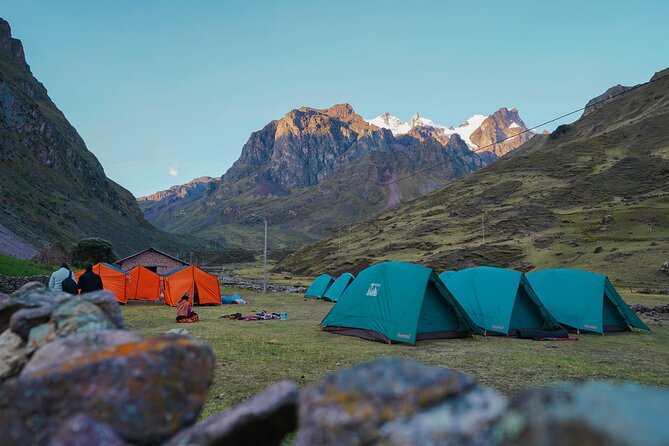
{"x": 299, "y": 350}
{"x": 331, "y": 223}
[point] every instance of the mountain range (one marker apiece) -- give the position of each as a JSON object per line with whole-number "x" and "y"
{"x": 593, "y": 194}
{"x": 289, "y": 168}
{"x": 52, "y": 188}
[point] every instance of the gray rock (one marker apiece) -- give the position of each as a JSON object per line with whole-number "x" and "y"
{"x": 608, "y": 218}
{"x": 28, "y": 287}
{"x": 82, "y": 344}
{"x": 25, "y": 319}
{"x": 108, "y": 303}
{"x": 146, "y": 391}
{"x": 12, "y": 354}
{"x": 80, "y": 430}
{"x": 264, "y": 419}
{"x": 78, "y": 315}
{"x": 392, "y": 401}
{"x": 465, "y": 420}
{"x": 591, "y": 413}
{"x": 177, "y": 332}
{"x": 73, "y": 316}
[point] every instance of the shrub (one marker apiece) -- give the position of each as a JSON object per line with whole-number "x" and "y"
{"x": 92, "y": 250}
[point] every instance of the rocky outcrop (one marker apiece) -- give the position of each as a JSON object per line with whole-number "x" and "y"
{"x": 10, "y": 47}
{"x": 192, "y": 190}
{"x": 306, "y": 145}
{"x": 504, "y": 125}
{"x": 604, "y": 98}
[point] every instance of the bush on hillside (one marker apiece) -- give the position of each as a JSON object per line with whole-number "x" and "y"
{"x": 92, "y": 250}
{"x": 560, "y": 130}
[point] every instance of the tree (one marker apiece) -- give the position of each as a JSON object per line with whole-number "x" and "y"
{"x": 92, "y": 250}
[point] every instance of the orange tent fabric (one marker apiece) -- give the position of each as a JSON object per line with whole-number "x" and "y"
{"x": 113, "y": 279}
{"x": 143, "y": 284}
{"x": 193, "y": 280}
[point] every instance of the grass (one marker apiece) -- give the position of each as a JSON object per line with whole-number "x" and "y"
{"x": 252, "y": 355}
{"x": 9, "y": 266}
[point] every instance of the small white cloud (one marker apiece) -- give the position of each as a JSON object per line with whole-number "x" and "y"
{"x": 173, "y": 170}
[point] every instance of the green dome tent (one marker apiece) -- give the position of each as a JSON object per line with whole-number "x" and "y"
{"x": 501, "y": 301}
{"x": 337, "y": 288}
{"x": 584, "y": 300}
{"x": 398, "y": 302}
{"x": 319, "y": 286}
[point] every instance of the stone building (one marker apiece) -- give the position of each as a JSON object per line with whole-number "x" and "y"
{"x": 152, "y": 259}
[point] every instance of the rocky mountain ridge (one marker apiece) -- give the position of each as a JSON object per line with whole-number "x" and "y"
{"x": 320, "y": 152}
{"x": 52, "y": 188}
{"x": 590, "y": 195}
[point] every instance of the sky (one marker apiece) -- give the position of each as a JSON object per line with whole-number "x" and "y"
{"x": 166, "y": 91}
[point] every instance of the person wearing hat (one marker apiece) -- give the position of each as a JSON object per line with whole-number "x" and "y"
{"x": 185, "y": 313}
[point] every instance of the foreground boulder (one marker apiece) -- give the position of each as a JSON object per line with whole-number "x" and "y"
{"x": 82, "y": 344}
{"x": 12, "y": 354}
{"x": 397, "y": 402}
{"x": 145, "y": 391}
{"x": 81, "y": 430}
{"x": 592, "y": 413}
{"x": 264, "y": 419}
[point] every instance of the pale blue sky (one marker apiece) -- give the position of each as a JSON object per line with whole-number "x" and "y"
{"x": 158, "y": 85}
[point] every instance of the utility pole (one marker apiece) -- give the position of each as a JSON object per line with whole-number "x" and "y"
{"x": 264, "y": 286}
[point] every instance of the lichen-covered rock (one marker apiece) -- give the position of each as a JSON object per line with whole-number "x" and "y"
{"x": 82, "y": 344}
{"x": 107, "y": 303}
{"x": 73, "y": 316}
{"x": 264, "y": 419}
{"x": 146, "y": 391}
{"x": 396, "y": 402}
{"x": 81, "y": 430}
{"x": 591, "y": 413}
{"x": 26, "y": 319}
{"x": 12, "y": 354}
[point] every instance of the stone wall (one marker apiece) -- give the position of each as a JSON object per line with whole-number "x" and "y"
{"x": 163, "y": 263}
{"x": 9, "y": 284}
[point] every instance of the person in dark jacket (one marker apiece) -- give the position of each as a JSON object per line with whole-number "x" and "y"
{"x": 89, "y": 281}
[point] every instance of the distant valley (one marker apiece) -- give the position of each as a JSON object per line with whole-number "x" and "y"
{"x": 289, "y": 169}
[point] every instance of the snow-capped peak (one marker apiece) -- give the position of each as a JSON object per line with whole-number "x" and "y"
{"x": 392, "y": 123}
{"x": 514, "y": 125}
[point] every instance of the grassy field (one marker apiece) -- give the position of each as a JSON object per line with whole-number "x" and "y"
{"x": 9, "y": 266}
{"x": 252, "y": 355}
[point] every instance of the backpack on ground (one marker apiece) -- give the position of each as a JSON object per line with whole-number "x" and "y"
{"x": 69, "y": 285}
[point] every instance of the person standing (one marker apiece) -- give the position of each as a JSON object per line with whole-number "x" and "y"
{"x": 58, "y": 276}
{"x": 89, "y": 281}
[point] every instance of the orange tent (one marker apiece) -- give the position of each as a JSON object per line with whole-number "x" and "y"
{"x": 143, "y": 284}
{"x": 202, "y": 286}
{"x": 113, "y": 279}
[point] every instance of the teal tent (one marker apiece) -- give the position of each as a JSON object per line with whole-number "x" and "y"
{"x": 398, "y": 302}
{"x": 500, "y": 301}
{"x": 338, "y": 287}
{"x": 584, "y": 300}
{"x": 319, "y": 286}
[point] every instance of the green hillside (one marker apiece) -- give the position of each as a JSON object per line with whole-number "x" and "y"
{"x": 544, "y": 205}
